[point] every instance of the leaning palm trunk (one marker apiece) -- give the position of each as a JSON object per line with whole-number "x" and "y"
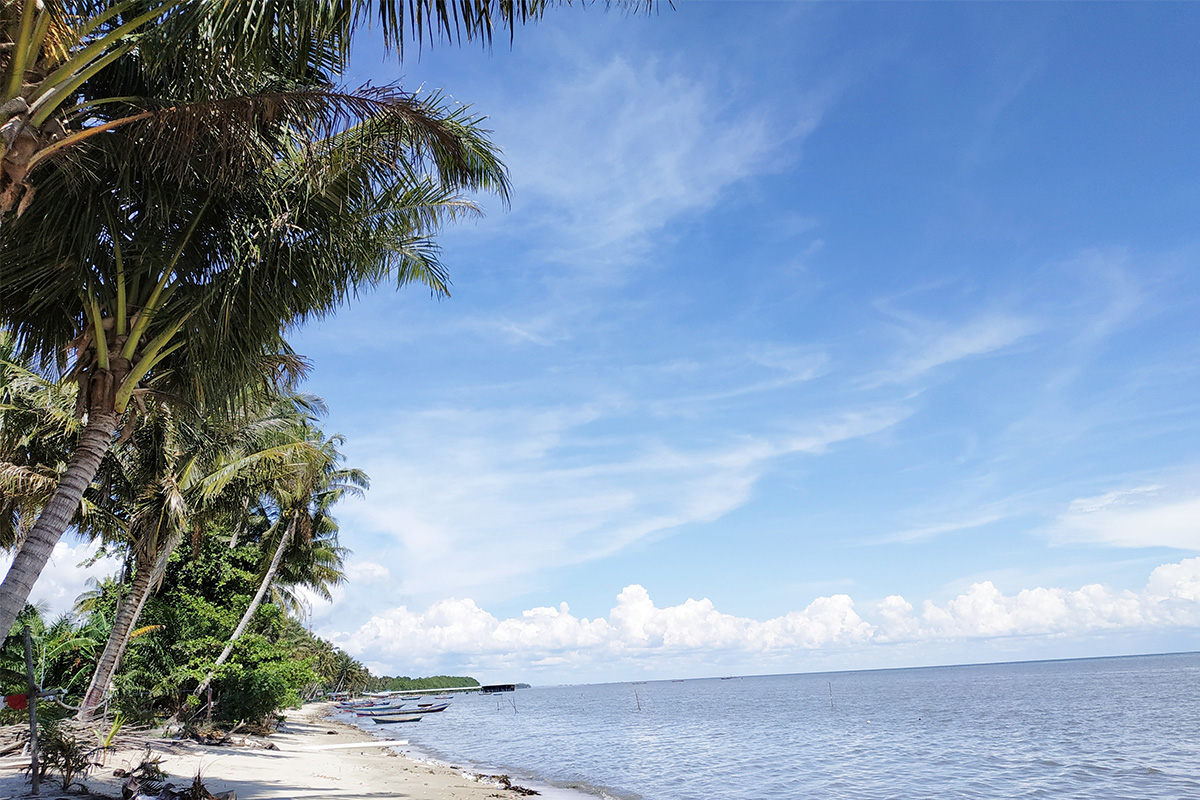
{"x": 148, "y": 575}
{"x": 284, "y": 541}
{"x": 56, "y": 516}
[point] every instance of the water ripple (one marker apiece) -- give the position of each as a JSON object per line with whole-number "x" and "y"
{"x": 1075, "y": 730}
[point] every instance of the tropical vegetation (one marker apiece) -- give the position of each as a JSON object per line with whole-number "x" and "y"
{"x": 188, "y": 214}
{"x": 198, "y": 509}
{"x": 181, "y": 183}
{"x": 388, "y": 683}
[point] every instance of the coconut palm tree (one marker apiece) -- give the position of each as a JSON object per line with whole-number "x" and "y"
{"x": 188, "y": 296}
{"x": 131, "y": 300}
{"x": 37, "y": 428}
{"x": 53, "y": 53}
{"x": 176, "y": 476}
{"x": 302, "y": 497}
{"x": 310, "y": 567}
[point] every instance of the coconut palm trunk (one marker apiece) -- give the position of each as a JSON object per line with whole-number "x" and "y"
{"x": 39, "y": 544}
{"x": 147, "y": 576}
{"x": 284, "y": 541}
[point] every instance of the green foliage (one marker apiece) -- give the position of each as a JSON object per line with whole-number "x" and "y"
{"x": 63, "y": 654}
{"x": 204, "y": 594}
{"x": 256, "y": 694}
{"x": 64, "y": 753}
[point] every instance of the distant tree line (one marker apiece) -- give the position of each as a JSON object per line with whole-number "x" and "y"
{"x": 390, "y": 684}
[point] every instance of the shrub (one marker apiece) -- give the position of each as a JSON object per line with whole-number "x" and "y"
{"x": 255, "y": 694}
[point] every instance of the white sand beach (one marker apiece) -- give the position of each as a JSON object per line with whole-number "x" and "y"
{"x": 317, "y": 758}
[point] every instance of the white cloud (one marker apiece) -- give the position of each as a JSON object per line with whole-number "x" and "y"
{"x": 1143, "y": 516}
{"x": 500, "y": 496}
{"x": 635, "y": 626}
{"x": 927, "y": 532}
{"x": 458, "y": 631}
{"x": 934, "y": 346}
{"x": 635, "y": 145}
{"x": 779, "y": 366}
{"x": 63, "y": 578}
{"x": 367, "y": 572}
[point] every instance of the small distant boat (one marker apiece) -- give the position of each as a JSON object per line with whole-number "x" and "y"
{"x": 392, "y": 720}
{"x": 427, "y": 709}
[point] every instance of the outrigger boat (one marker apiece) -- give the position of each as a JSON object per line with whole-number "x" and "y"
{"x": 374, "y": 711}
{"x": 410, "y": 711}
{"x": 398, "y": 718}
{"x": 426, "y": 709}
{"x": 407, "y": 715}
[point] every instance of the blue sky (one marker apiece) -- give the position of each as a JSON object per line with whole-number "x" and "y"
{"x": 816, "y": 336}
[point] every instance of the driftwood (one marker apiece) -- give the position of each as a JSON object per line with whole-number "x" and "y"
{"x": 197, "y": 791}
{"x": 16, "y": 737}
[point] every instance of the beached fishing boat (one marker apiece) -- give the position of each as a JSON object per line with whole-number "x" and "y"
{"x": 397, "y": 718}
{"x": 375, "y": 711}
{"x": 418, "y": 710}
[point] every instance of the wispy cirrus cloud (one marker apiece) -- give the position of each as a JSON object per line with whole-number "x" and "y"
{"x": 527, "y": 490}
{"x": 1140, "y": 516}
{"x": 934, "y": 345}
{"x": 924, "y": 533}
{"x": 637, "y": 144}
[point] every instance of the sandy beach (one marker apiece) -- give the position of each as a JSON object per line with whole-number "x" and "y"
{"x": 316, "y": 758}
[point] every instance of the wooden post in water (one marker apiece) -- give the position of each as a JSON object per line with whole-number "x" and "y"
{"x": 32, "y": 696}
{"x": 831, "y": 694}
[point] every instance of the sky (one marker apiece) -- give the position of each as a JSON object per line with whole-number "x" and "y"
{"x": 816, "y": 336}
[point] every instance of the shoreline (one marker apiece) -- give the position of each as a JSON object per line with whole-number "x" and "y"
{"x": 420, "y": 755}
{"x": 312, "y": 757}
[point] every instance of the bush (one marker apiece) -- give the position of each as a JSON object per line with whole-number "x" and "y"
{"x": 254, "y": 695}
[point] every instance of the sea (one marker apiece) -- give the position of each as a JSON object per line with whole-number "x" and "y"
{"x": 1124, "y": 728}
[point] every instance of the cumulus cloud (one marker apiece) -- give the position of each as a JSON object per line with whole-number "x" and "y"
{"x": 458, "y": 631}
{"x": 635, "y": 625}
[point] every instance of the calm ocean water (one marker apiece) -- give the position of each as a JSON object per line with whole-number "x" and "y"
{"x": 1100, "y": 729}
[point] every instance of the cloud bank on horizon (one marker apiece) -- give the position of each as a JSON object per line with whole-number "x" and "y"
{"x": 647, "y": 639}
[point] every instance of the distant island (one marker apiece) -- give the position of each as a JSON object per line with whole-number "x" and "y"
{"x": 390, "y": 684}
